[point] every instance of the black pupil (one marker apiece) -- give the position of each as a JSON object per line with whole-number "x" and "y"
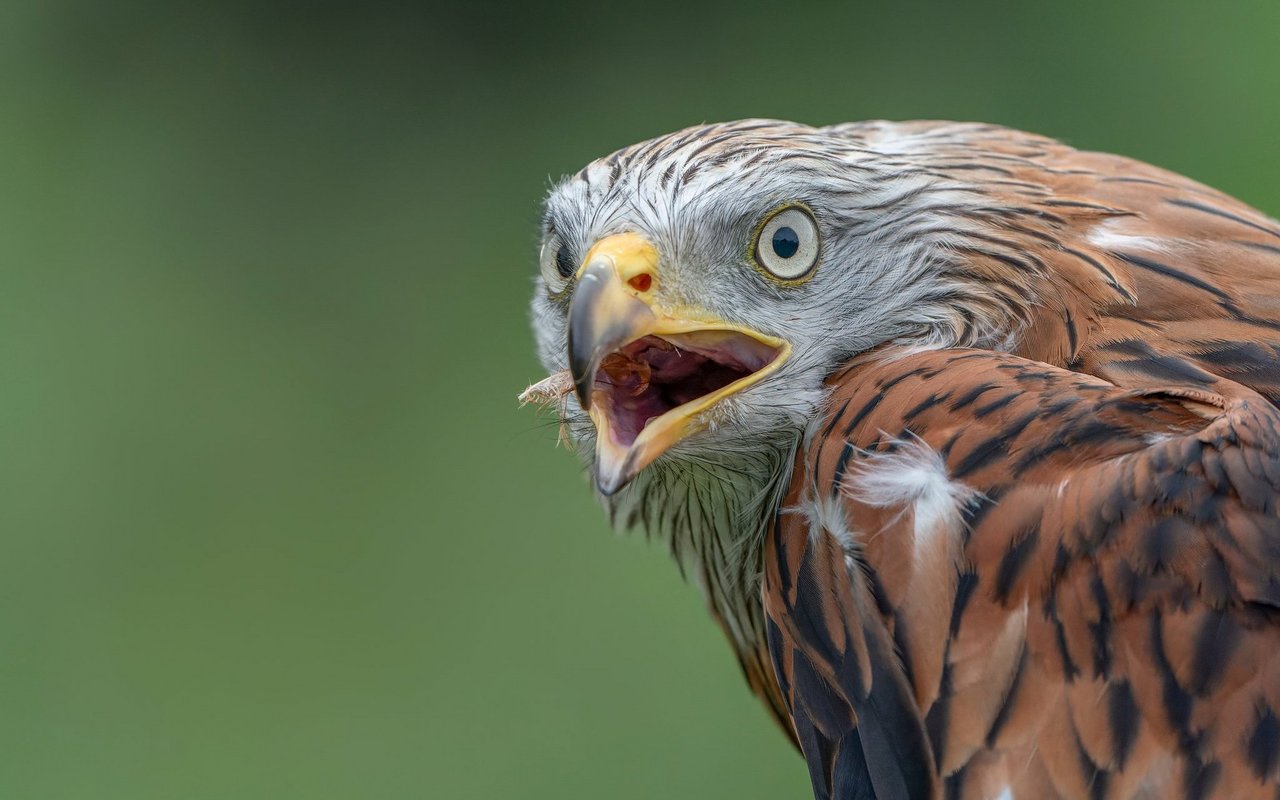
{"x": 564, "y": 264}
{"x": 785, "y": 242}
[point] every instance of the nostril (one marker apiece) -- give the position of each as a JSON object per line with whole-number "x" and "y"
{"x": 642, "y": 282}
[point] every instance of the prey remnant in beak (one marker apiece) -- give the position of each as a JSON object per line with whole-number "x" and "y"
{"x": 647, "y": 374}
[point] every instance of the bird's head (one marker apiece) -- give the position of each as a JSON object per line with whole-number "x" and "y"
{"x": 698, "y": 288}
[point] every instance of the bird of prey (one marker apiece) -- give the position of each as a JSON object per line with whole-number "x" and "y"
{"x": 970, "y": 439}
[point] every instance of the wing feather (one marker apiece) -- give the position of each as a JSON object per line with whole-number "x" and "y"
{"x": 1108, "y": 574}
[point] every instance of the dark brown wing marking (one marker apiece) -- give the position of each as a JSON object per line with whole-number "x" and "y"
{"x": 849, "y": 699}
{"x": 1101, "y": 619}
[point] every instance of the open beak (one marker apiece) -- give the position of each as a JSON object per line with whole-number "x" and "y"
{"x": 648, "y": 374}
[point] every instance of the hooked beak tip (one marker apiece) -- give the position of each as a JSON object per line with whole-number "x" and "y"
{"x": 582, "y": 380}
{"x": 603, "y": 315}
{"x": 583, "y": 366}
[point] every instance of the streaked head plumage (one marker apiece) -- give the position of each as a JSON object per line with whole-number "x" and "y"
{"x": 855, "y": 254}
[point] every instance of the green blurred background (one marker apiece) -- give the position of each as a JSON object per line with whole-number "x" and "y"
{"x": 271, "y": 525}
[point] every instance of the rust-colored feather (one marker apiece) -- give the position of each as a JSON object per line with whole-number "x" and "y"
{"x": 1053, "y": 570}
{"x": 1121, "y": 269}
{"x": 1112, "y": 620}
{"x": 1114, "y": 607}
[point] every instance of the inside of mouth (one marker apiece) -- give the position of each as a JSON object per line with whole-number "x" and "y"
{"x": 654, "y": 374}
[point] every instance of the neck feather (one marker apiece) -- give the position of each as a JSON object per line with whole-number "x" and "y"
{"x": 712, "y": 510}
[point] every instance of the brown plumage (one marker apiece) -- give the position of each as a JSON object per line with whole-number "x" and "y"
{"x": 1103, "y": 620}
{"x": 1101, "y": 617}
{"x": 1121, "y": 268}
{"x": 1030, "y": 546}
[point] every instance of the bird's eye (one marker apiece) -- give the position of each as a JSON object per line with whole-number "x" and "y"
{"x": 564, "y": 262}
{"x": 787, "y": 244}
{"x": 558, "y": 265}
